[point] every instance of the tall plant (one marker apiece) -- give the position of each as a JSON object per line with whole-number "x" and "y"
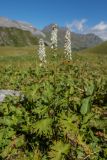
{"x": 54, "y": 42}
{"x": 42, "y": 52}
{"x": 54, "y": 37}
{"x": 67, "y": 46}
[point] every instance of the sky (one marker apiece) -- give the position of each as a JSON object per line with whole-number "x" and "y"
{"x": 82, "y": 16}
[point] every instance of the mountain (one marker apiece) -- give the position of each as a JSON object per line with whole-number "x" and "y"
{"x": 16, "y": 37}
{"x": 79, "y": 41}
{"x": 17, "y": 33}
{"x": 99, "y": 49}
{"x": 7, "y": 23}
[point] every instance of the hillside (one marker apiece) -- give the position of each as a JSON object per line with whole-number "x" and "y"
{"x": 16, "y": 33}
{"x": 99, "y": 49}
{"x": 79, "y": 41}
{"x": 8, "y": 23}
{"x": 16, "y": 37}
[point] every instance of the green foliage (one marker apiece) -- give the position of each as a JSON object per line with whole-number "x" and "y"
{"x": 85, "y": 108}
{"x": 62, "y": 115}
{"x": 100, "y": 49}
{"x": 43, "y": 127}
{"x": 68, "y": 124}
{"x": 16, "y": 37}
{"x": 59, "y": 150}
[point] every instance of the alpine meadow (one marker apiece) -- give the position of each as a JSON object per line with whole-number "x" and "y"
{"x": 53, "y": 93}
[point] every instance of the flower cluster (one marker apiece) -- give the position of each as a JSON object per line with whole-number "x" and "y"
{"x": 54, "y": 37}
{"x": 41, "y": 52}
{"x": 67, "y": 46}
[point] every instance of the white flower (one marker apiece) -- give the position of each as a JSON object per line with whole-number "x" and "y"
{"x": 41, "y": 52}
{"x": 54, "y": 37}
{"x": 67, "y": 46}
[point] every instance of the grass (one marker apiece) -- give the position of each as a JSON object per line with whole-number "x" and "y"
{"x": 20, "y": 59}
{"x": 17, "y": 56}
{"x": 25, "y": 57}
{"x": 100, "y": 49}
{"x": 16, "y": 37}
{"x": 63, "y": 114}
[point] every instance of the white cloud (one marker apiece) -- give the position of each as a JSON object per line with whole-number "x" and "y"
{"x": 100, "y": 26}
{"x": 77, "y": 25}
{"x": 80, "y": 26}
{"x": 100, "y": 29}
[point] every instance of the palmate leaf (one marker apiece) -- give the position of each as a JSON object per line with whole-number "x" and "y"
{"x": 9, "y": 120}
{"x": 69, "y": 125}
{"x": 44, "y": 157}
{"x": 48, "y": 90}
{"x": 19, "y": 141}
{"x": 42, "y": 110}
{"x": 12, "y": 148}
{"x": 98, "y": 123}
{"x": 59, "y": 150}
{"x": 37, "y": 155}
{"x": 86, "y": 121}
{"x": 5, "y": 136}
{"x": 43, "y": 127}
{"x": 82, "y": 143}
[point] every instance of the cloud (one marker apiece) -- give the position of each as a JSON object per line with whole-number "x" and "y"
{"x": 100, "y": 29}
{"x": 77, "y": 25}
{"x": 80, "y": 26}
{"x": 102, "y": 26}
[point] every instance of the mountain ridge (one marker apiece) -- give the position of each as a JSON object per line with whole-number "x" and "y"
{"x": 79, "y": 41}
{"x": 5, "y": 22}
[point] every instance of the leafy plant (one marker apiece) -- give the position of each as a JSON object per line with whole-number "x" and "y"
{"x": 61, "y": 116}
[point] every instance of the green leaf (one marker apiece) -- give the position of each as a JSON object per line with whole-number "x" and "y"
{"x": 20, "y": 141}
{"x": 85, "y": 108}
{"x": 72, "y": 90}
{"x": 59, "y": 150}
{"x": 41, "y": 110}
{"x": 99, "y": 124}
{"x": 6, "y": 151}
{"x": 68, "y": 125}
{"x": 37, "y": 155}
{"x": 89, "y": 88}
{"x": 43, "y": 127}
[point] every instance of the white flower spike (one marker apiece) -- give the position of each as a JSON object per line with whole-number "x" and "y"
{"x": 54, "y": 36}
{"x": 67, "y": 46}
{"x": 41, "y": 52}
